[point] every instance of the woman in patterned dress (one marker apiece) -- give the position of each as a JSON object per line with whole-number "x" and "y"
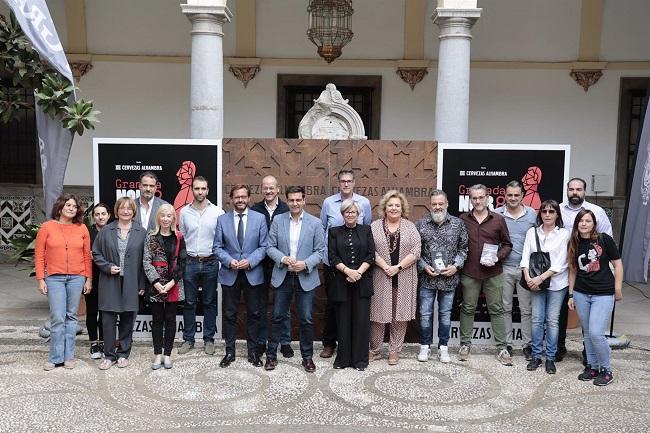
{"x": 395, "y": 278}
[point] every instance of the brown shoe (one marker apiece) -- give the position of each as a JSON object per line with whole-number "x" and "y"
{"x": 327, "y": 352}
{"x": 373, "y": 356}
{"x": 393, "y": 358}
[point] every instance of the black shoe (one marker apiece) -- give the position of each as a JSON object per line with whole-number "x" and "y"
{"x": 588, "y": 374}
{"x": 509, "y": 349}
{"x": 550, "y": 367}
{"x": 286, "y": 350}
{"x": 533, "y": 364}
{"x": 227, "y": 360}
{"x": 309, "y": 365}
{"x": 271, "y": 363}
{"x": 338, "y": 366}
{"x": 561, "y": 353}
{"x": 255, "y": 360}
{"x": 528, "y": 353}
{"x": 95, "y": 351}
{"x": 604, "y": 378}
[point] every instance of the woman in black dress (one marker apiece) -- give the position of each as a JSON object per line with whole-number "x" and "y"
{"x": 351, "y": 254}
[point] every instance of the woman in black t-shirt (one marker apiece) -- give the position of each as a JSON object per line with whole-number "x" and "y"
{"x": 593, "y": 290}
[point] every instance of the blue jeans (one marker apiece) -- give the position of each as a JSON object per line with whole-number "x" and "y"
{"x": 546, "y": 306}
{"x": 204, "y": 275}
{"x": 426, "y": 298}
{"x": 63, "y": 295}
{"x": 594, "y": 313}
{"x": 289, "y": 288}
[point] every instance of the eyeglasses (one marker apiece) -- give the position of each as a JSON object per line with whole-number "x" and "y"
{"x": 346, "y": 181}
{"x": 548, "y": 211}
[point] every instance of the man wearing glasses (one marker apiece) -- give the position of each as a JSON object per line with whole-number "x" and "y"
{"x": 330, "y": 216}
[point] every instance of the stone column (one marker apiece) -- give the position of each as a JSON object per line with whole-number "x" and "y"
{"x": 208, "y": 18}
{"x": 455, "y": 19}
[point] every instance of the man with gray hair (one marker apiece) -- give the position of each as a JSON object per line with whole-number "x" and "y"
{"x": 489, "y": 245}
{"x": 519, "y": 218}
{"x": 444, "y": 250}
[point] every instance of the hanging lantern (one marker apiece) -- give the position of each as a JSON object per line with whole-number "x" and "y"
{"x": 329, "y": 26}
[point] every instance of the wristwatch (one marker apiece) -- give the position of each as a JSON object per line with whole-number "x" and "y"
{"x": 399, "y": 267}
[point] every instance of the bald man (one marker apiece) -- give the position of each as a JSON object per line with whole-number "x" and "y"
{"x": 271, "y": 207}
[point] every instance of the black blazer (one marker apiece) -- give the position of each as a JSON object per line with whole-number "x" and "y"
{"x": 268, "y": 263}
{"x": 338, "y": 253}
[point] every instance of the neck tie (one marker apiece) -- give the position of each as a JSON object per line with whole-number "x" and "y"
{"x": 240, "y": 230}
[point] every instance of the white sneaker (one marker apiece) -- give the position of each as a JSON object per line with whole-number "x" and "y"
{"x": 423, "y": 356}
{"x": 443, "y": 355}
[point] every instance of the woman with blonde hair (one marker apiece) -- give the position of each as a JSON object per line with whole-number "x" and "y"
{"x": 395, "y": 278}
{"x": 117, "y": 252}
{"x": 164, "y": 264}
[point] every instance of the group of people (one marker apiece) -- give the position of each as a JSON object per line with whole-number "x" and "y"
{"x": 377, "y": 273}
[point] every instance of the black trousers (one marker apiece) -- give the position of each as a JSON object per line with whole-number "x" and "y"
{"x": 231, "y": 295}
{"x": 329, "y": 319}
{"x": 563, "y": 322}
{"x": 164, "y": 317}
{"x": 93, "y": 317}
{"x": 125, "y": 333}
{"x": 353, "y": 322}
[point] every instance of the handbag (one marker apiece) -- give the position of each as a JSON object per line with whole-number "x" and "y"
{"x": 538, "y": 263}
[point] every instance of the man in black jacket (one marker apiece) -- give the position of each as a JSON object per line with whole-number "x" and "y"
{"x": 270, "y": 207}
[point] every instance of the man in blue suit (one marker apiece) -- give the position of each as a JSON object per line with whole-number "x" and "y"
{"x": 240, "y": 246}
{"x": 296, "y": 245}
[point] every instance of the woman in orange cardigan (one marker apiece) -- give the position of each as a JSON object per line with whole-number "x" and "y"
{"x": 63, "y": 270}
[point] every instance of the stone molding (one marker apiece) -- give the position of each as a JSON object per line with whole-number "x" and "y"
{"x": 332, "y": 113}
{"x": 586, "y": 78}
{"x": 455, "y": 23}
{"x": 79, "y": 69}
{"x": 412, "y": 76}
{"x": 207, "y": 19}
{"x": 245, "y": 69}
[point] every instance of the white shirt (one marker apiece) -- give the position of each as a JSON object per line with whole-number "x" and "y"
{"x": 294, "y": 234}
{"x": 244, "y": 218}
{"x": 569, "y": 215}
{"x": 555, "y": 243}
{"x": 270, "y": 210}
{"x": 198, "y": 228}
{"x": 145, "y": 213}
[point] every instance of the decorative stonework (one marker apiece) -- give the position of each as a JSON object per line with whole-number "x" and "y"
{"x": 412, "y": 76}
{"x": 332, "y": 118}
{"x": 244, "y": 73}
{"x": 16, "y": 214}
{"x": 586, "y": 77}
{"x": 79, "y": 69}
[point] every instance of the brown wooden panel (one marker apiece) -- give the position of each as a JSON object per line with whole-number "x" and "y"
{"x": 379, "y": 165}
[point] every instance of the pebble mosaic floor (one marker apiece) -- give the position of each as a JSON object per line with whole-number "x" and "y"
{"x": 196, "y": 395}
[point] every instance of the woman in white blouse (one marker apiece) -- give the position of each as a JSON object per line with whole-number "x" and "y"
{"x": 546, "y": 303}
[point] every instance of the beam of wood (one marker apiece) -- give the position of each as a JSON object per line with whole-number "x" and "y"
{"x": 75, "y": 16}
{"x": 414, "y": 21}
{"x": 245, "y": 24}
{"x": 591, "y": 28}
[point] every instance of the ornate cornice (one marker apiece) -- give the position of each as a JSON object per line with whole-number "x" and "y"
{"x": 244, "y": 73}
{"x": 412, "y": 76}
{"x": 586, "y": 77}
{"x": 79, "y": 69}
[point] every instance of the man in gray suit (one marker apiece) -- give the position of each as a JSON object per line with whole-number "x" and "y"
{"x": 296, "y": 245}
{"x": 240, "y": 246}
{"x": 148, "y": 203}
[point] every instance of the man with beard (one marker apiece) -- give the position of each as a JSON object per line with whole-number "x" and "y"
{"x": 575, "y": 201}
{"x": 444, "y": 250}
{"x": 271, "y": 207}
{"x": 198, "y": 223}
{"x": 519, "y": 219}
{"x": 489, "y": 244}
{"x": 148, "y": 203}
{"x": 240, "y": 246}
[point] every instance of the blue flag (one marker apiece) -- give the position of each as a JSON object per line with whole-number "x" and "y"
{"x": 54, "y": 141}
